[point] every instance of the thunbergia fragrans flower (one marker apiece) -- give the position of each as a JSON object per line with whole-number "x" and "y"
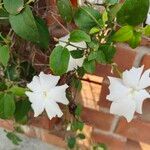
{"x": 46, "y": 94}
{"x": 127, "y": 94}
{"x": 73, "y": 63}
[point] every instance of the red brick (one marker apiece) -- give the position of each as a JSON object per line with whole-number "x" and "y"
{"x": 146, "y": 61}
{"x": 145, "y": 41}
{"x": 132, "y": 145}
{"x": 112, "y": 142}
{"x": 42, "y": 121}
{"x": 124, "y": 58}
{"x": 137, "y": 130}
{"x": 97, "y": 119}
{"x": 103, "y": 102}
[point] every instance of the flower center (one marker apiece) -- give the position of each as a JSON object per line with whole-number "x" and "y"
{"x": 133, "y": 92}
{"x": 45, "y": 94}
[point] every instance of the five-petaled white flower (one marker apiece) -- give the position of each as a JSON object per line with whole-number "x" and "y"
{"x": 45, "y": 95}
{"x": 73, "y": 63}
{"x": 127, "y": 94}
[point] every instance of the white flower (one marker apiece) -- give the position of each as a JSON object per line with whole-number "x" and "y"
{"x": 96, "y": 1}
{"x": 127, "y": 94}
{"x": 148, "y": 18}
{"x": 73, "y": 63}
{"x": 45, "y": 95}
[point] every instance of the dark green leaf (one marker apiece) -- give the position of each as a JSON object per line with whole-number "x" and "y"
{"x": 81, "y": 136}
{"x": 81, "y": 71}
{"x": 78, "y": 110}
{"x": 101, "y": 57}
{"x": 87, "y": 18}
{"x": 13, "y": 137}
{"x": 77, "y": 125}
{"x": 7, "y": 106}
{"x": 4, "y": 55}
{"x": 65, "y": 9}
{"x": 71, "y": 142}
{"x": 133, "y": 12}
{"x": 89, "y": 66}
{"x": 77, "y": 53}
{"x": 76, "y": 83}
{"x": 22, "y": 109}
{"x": 43, "y": 32}
{"x": 59, "y": 60}
{"x": 13, "y": 6}
{"x": 135, "y": 40}
{"x": 123, "y": 34}
{"x": 25, "y": 26}
{"x": 3, "y": 86}
{"x": 79, "y": 36}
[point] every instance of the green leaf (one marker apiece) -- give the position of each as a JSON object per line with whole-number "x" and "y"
{"x": 94, "y": 30}
{"x": 79, "y": 36}
{"x": 13, "y": 6}
{"x": 24, "y": 25}
{"x": 133, "y": 12}
{"x": 81, "y": 72}
{"x": 135, "y": 40}
{"x": 22, "y": 109}
{"x": 78, "y": 110}
{"x": 18, "y": 91}
{"x": 7, "y": 106}
{"x": 101, "y": 57}
{"x": 89, "y": 66}
{"x": 71, "y": 142}
{"x": 94, "y": 45}
{"x": 77, "y": 125}
{"x": 81, "y": 136}
{"x": 92, "y": 55}
{"x": 76, "y": 54}
{"x": 4, "y": 55}
{"x": 43, "y": 32}
{"x": 59, "y": 60}
{"x": 3, "y": 86}
{"x": 109, "y": 52}
{"x": 123, "y": 34}
{"x": 13, "y": 137}
{"x": 87, "y": 18}
{"x": 147, "y": 30}
{"x": 65, "y": 9}
{"x": 76, "y": 83}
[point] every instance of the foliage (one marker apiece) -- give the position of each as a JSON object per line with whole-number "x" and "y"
{"x": 98, "y": 30}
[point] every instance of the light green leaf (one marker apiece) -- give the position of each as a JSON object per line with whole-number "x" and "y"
{"x": 133, "y": 12}
{"x": 59, "y": 60}
{"x": 94, "y": 30}
{"x": 147, "y": 30}
{"x": 4, "y": 54}
{"x": 79, "y": 36}
{"x": 135, "y": 40}
{"x": 18, "y": 91}
{"x": 124, "y": 34}
{"x": 65, "y": 9}
{"x": 13, "y": 6}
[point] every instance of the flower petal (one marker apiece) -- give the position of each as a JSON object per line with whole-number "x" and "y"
{"x": 145, "y": 80}
{"x": 52, "y": 109}
{"x": 48, "y": 81}
{"x": 117, "y": 90}
{"x": 34, "y": 85}
{"x": 37, "y": 103}
{"x": 131, "y": 78}
{"x": 139, "y": 98}
{"x": 58, "y": 94}
{"x": 124, "y": 108}
{"x": 74, "y": 63}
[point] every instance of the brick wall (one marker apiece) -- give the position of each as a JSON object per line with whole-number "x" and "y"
{"x": 104, "y": 127}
